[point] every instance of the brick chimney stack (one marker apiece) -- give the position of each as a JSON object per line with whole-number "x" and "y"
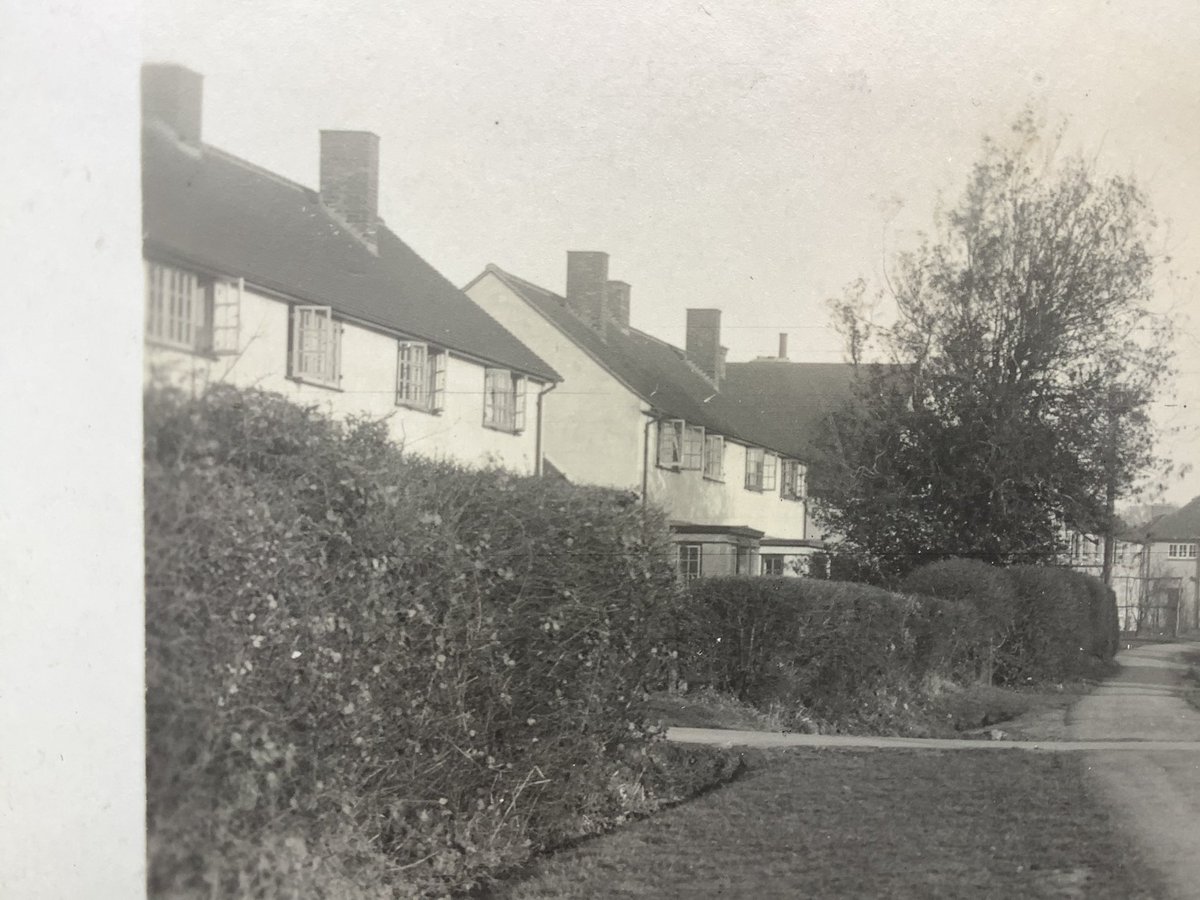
{"x": 703, "y": 348}
{"x": 587, "y": 286}
{"x": 350, "y": 180}
{"x": 617, "y": 304}
{"x": 173, "y": 96}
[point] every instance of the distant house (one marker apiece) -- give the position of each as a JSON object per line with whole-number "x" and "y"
{"x": 678, "y": 426}
{"x": 252, "y": 279}
{"x": 1169, "y": 566}
{"x": 1155, "y": 572}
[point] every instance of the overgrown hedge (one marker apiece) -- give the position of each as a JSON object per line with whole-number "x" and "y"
{"x": 372, "y": 675}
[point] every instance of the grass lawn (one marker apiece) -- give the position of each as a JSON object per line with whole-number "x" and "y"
{"x": 833, "y": 823}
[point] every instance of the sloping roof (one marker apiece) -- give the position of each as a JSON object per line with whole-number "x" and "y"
{"x": 1181, "y": 525}
{"x": 204, "y": 207}
{"x": 751, "y": 406}
{"x": 789, "y": 401}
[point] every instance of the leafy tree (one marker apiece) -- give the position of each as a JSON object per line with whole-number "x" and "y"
{"x": 1018, "y": 370}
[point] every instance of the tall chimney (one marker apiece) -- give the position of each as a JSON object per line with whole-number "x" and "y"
{"x": 617, "y": 303}
{"x": 587, "y": 285}
{"x": 704, "y": 348}
{"x": 783, "y": 345}
{"x": 350, "y": 180}
{"x": 174, "y": 96}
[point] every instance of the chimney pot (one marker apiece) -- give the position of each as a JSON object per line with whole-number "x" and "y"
{"x": 350, "y": 180}
{"x": 783, "y": 345}
{"x": 174, "y": 96}
{"x": 703, "y": 347}
{"x": 587, "y": 285}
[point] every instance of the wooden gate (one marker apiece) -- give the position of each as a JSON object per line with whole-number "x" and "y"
{"x": 1148, "y": 607}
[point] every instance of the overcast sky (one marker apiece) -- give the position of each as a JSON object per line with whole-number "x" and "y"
{"x": 750, "y": 156}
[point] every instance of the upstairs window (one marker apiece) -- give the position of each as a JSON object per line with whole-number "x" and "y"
{"x": 670, "y": 443}
{"x": 792, "y": 480}
{"x": 691, "y": 561}
{"x": 761, "y": 469}
{"x": 1181, "y": 551}
{"x": 420, "y": 376}
{"x": 504, "y": 400}
{"x": 316, "y": 346}
{"x": 714, "y": 457}
{"x": 190, "y": 312}
{"x": 693, "y": 447}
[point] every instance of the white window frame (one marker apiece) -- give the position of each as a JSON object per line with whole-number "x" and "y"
{"x": 693, "y": 448}
{"x": 191, "y": 312}
{"x": 690, "y": 561}
{"x": 772, "y": 560}
{"x": 503, "y": 400}
{"x": 1181, "y": 551}
{"x": 670, "y": 443}
{"x": 762, "y": 469}
{"x": 420, "y": 376}
{"x": 714, "y": 457}
{"x": 792, "y": 479}
{"x": 316, "y": 349}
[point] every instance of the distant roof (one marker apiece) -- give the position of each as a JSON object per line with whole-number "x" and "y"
{"x": 789, "y": 401}
{"x": 776, "y": 405}
{"x": 206, "y": 208}
{"x": 1181, "y": 525}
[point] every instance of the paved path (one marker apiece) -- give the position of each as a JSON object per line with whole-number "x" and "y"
{"x": 1156, "y": 792}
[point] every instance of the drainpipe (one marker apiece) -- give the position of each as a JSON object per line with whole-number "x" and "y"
{"x": 537, "y": 462}
{"x": 646, "y": 460}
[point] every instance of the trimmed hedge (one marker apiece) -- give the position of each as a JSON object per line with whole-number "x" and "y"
{"x": 373, "y": 674}
{"x": 842, "y": 651}
{"x": 1043, "y": 623}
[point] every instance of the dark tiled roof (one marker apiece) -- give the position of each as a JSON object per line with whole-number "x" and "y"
{"x": 755, "y": 404}
{"x": 790, "y": 401}
{"x": 206, "y": 208}
{"x": 1181, "y": 525}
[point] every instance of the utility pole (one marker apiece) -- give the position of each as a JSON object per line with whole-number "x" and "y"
{"x": 1110, "y": 489}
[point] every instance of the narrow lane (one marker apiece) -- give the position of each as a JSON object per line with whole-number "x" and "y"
{"x": 1156, "y": 793}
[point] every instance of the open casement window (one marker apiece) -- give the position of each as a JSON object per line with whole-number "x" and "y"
{"x": 226, "y": 315}
{"x": 191, "y": 312}
{"x": 503, "y": 400}
{"x": 316, "y": 345}
{"x": 762, "y": 469}
{"x": 693, "y": 447}
{"x": 670, "y": 443}
{"x": 691, "y": 561}
{"x": 420, "y": 376}
{"x": 792, "y": 480}
{"x": 714, "y": 457}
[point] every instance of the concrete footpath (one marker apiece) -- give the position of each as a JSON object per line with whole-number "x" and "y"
{"x": 1156, "y": 792}
{"x": 1141, "y": 744}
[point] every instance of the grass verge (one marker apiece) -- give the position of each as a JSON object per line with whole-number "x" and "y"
{"x": 952, "y": 711}
{"x": 830, "y": 824}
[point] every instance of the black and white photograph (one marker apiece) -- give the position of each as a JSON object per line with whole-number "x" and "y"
{"x": 531, "y": 450}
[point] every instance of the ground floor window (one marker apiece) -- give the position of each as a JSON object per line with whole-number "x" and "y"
{"x": 690, "y": 561}
{"x": 772, "y": 563}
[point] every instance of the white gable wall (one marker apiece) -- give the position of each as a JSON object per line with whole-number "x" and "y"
{"x": 594, "y": 426}
{"x": 368, "y": 387}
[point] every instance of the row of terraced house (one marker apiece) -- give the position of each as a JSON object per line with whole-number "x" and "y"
{"x": 253, "y": 279}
